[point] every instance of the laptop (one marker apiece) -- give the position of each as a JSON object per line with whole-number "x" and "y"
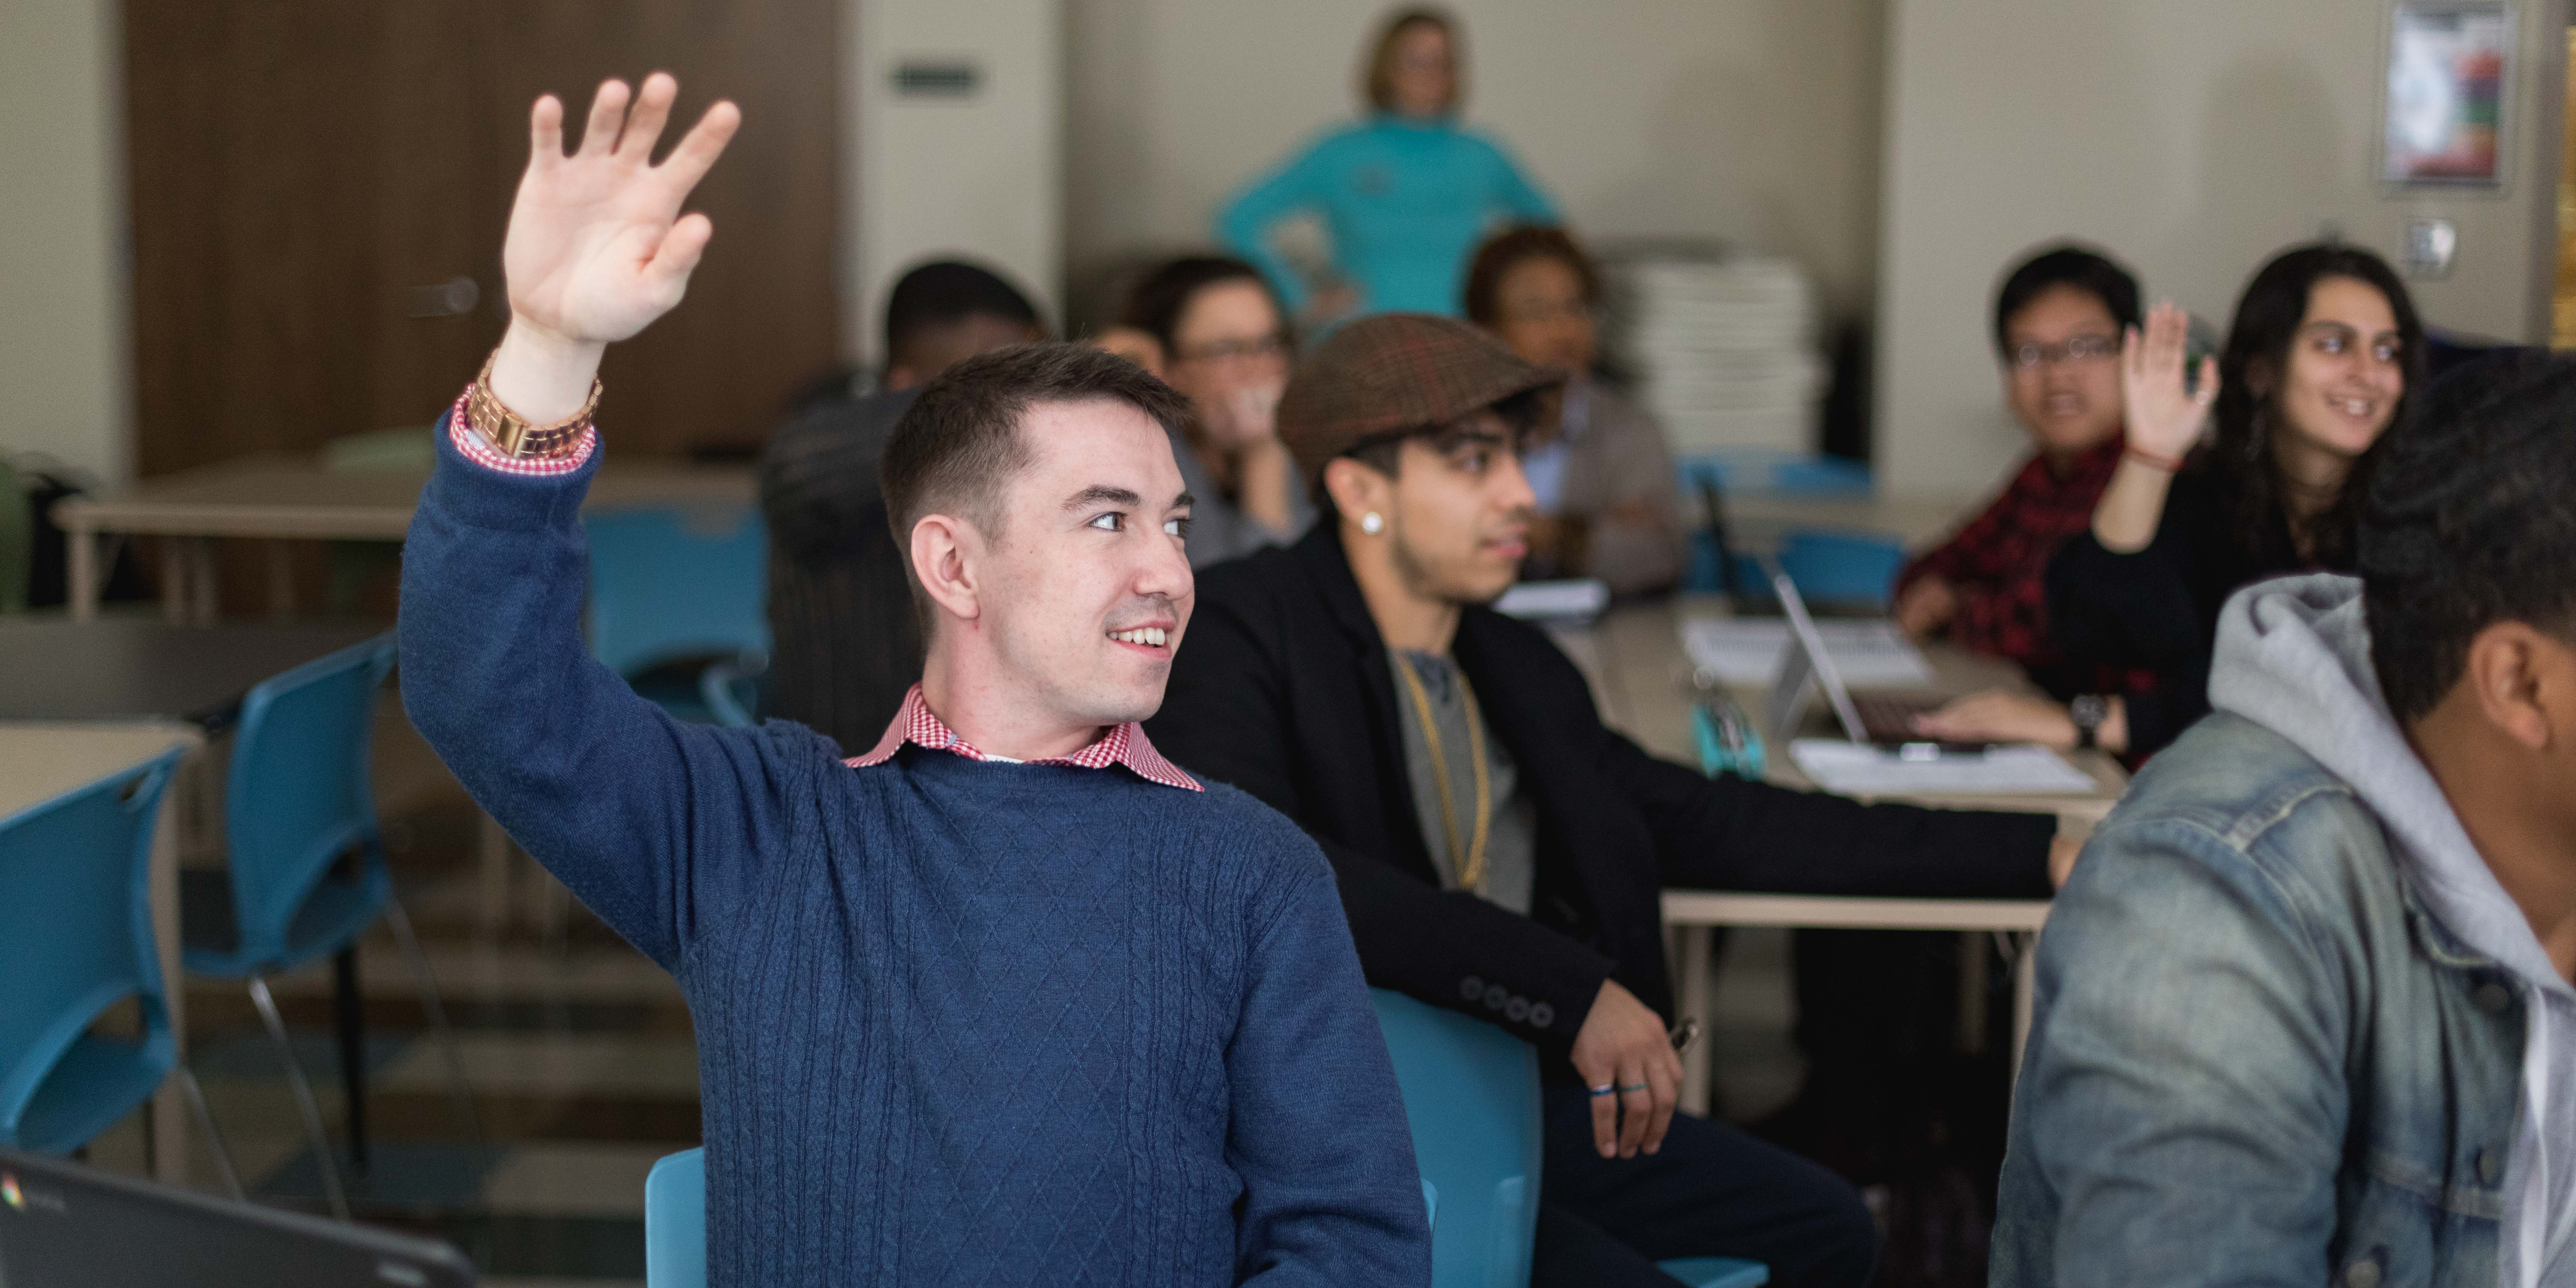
{"x": 67, "y": 1226}
{"x": 1884, "y": 720}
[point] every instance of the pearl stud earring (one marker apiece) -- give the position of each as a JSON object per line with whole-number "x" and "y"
{"x": 1370, "y": 523}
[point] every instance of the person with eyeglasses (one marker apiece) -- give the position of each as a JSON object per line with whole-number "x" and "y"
{"x": 1223, "y": 341}
{"x": 2319, "y": 360}
{"x": 2058, "y": 319}
{"x": 1608, "y": 496}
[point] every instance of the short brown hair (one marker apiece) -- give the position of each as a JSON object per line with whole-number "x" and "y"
{"x": 1158, "y": 303}
{"x": 1513, "y": 247}
{"x": 1377, "y": 75}
{"x": 960, "y": 440}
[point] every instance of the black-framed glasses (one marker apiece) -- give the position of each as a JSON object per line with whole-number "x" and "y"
{"x": 2033, "y": 355}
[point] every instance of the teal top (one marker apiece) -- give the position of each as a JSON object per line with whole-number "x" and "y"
{"x": 1404, "y": 201}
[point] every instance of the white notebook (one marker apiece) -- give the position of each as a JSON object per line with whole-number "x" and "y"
{"x": 1856, "y": 770}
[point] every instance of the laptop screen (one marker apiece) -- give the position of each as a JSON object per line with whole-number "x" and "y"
{"x": 62, "y": 1225}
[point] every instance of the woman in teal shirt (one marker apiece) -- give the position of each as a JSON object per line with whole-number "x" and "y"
{"x": 1405, "y": 196}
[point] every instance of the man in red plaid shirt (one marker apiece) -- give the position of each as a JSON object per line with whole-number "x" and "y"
{"x": 2058, "y": 322}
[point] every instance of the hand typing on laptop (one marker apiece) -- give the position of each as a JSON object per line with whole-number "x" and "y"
{"x": 1999, "y": 716}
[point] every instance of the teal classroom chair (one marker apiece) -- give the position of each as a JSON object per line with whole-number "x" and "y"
{"x": 675, "y": 1221}
{"x": 1471, "y": 1096}
{"x": 75, "y": 941}
{"x": 681, "y": 588}
{"x": 306, "y": 874}
{"x": 1850, "y": 569}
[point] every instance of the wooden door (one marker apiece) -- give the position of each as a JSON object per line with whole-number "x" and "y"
{"x": 319, "y": 190}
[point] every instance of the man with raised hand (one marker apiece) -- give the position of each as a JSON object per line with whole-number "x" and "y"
{"x": 1008, "y": 998}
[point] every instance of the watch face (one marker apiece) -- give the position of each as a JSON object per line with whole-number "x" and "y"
{"x": 2088, "y": 710}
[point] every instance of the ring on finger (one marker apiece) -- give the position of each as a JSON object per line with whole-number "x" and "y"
{"x": 1604, "y": 1089}
{"x": 1640, "y": 1086}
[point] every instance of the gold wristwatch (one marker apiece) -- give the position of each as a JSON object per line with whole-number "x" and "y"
{"x": 515, "y": 437}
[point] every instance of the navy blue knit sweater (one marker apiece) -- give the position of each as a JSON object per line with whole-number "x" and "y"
{"x": 958, "y": 1022}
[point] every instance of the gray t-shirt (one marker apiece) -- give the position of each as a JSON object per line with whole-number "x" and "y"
{"x": 1511, "y": 837}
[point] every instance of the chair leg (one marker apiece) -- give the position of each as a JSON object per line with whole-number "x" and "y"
{"x": 463, "y": 1086}
{"x": 206, "y": 1119}
{"x": 349, "y": 1004}
{"x": 304, "y": 1102}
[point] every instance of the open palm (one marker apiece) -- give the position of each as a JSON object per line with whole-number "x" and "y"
{"x": 597, "y": 246}
{"x": 2165, "y": 411}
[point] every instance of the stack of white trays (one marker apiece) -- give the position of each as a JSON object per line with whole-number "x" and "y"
{"x": 1722, "y": 346}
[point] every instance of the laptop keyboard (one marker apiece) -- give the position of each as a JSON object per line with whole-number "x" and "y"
{"x": 1889, "y": 717}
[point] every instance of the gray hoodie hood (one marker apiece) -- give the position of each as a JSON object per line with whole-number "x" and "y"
{"x": 2293, "y": 655}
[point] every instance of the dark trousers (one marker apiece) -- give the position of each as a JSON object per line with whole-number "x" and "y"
{"x": 1713, "y": 1191}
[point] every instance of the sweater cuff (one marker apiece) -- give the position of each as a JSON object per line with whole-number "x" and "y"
{"x": 480, "y": 450}
{"x": 471, "y": 491}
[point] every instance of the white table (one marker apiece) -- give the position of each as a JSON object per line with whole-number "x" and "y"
{"x": 1642, "y": 678}
{"x": 41, "y": 761}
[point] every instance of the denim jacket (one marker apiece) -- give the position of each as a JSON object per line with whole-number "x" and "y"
{"x": 2255, "y": 1058}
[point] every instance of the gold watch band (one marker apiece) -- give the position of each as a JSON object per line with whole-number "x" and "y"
{"x": 515, "y": 437}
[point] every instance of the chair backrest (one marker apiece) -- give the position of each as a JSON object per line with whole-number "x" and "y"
{"x": 76, "y": 924}
{"x": 1471, "y": 1096}
{"x": 298, "y": 796}
{"x": 675, "y": 1221}
{"x": 1836, "y": 567}
{"x": 671, "y": 583}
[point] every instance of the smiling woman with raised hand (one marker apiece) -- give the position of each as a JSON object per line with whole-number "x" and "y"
{"x": 2319, "y": 361}
{"x": 1011, "y": 994}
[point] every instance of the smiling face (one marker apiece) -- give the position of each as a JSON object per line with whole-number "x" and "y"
{"x": 2345, "y": 372}
{"x": 1085, "y": 589}
{"x": 2062, "y": 370}
{"x": 1457, "y": 509}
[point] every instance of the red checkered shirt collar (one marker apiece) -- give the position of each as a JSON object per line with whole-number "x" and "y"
{"x": 1123, "y": 745}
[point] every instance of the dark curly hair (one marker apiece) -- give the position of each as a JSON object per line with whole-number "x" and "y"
{"x": 2258, "y": 345}
{"x": 2470, "y": 521}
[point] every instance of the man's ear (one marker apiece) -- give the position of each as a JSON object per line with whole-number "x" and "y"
{"x": 1357, "y": 488}
{"x": 945, "y": 553}
{"x": 2524, "y": 683}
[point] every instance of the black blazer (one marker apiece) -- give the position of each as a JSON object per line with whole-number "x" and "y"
{"x": 1282, "y": 688}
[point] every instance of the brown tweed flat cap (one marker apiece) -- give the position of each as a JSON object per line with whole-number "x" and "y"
{"x": 1395, "y": 371}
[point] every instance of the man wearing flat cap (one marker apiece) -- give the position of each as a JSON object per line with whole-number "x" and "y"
{"x": 1499, "y": 851}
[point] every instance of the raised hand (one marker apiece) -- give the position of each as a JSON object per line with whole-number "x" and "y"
{"x": 597, "y": 246}
{"x": 2164, "y": 417}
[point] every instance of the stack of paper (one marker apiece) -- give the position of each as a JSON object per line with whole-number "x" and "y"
{"x": 1723, "y": 347}
{"x": 1855, "y": 770}
{"x": 1749, "y": 650}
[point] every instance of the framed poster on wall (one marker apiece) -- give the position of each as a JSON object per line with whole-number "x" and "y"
{"x": 2447, "y": 66}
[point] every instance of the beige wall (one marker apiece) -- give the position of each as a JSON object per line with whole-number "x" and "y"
{"x": 1754, "y": 120}
{"x": 980, "y": 177}
{"x": 2193, "y": 138}
{"x": 64, "y": 384}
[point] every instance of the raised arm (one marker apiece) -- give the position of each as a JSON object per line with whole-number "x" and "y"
{"x": 601, "y": 786}
{"x": 2165, "y": 415}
